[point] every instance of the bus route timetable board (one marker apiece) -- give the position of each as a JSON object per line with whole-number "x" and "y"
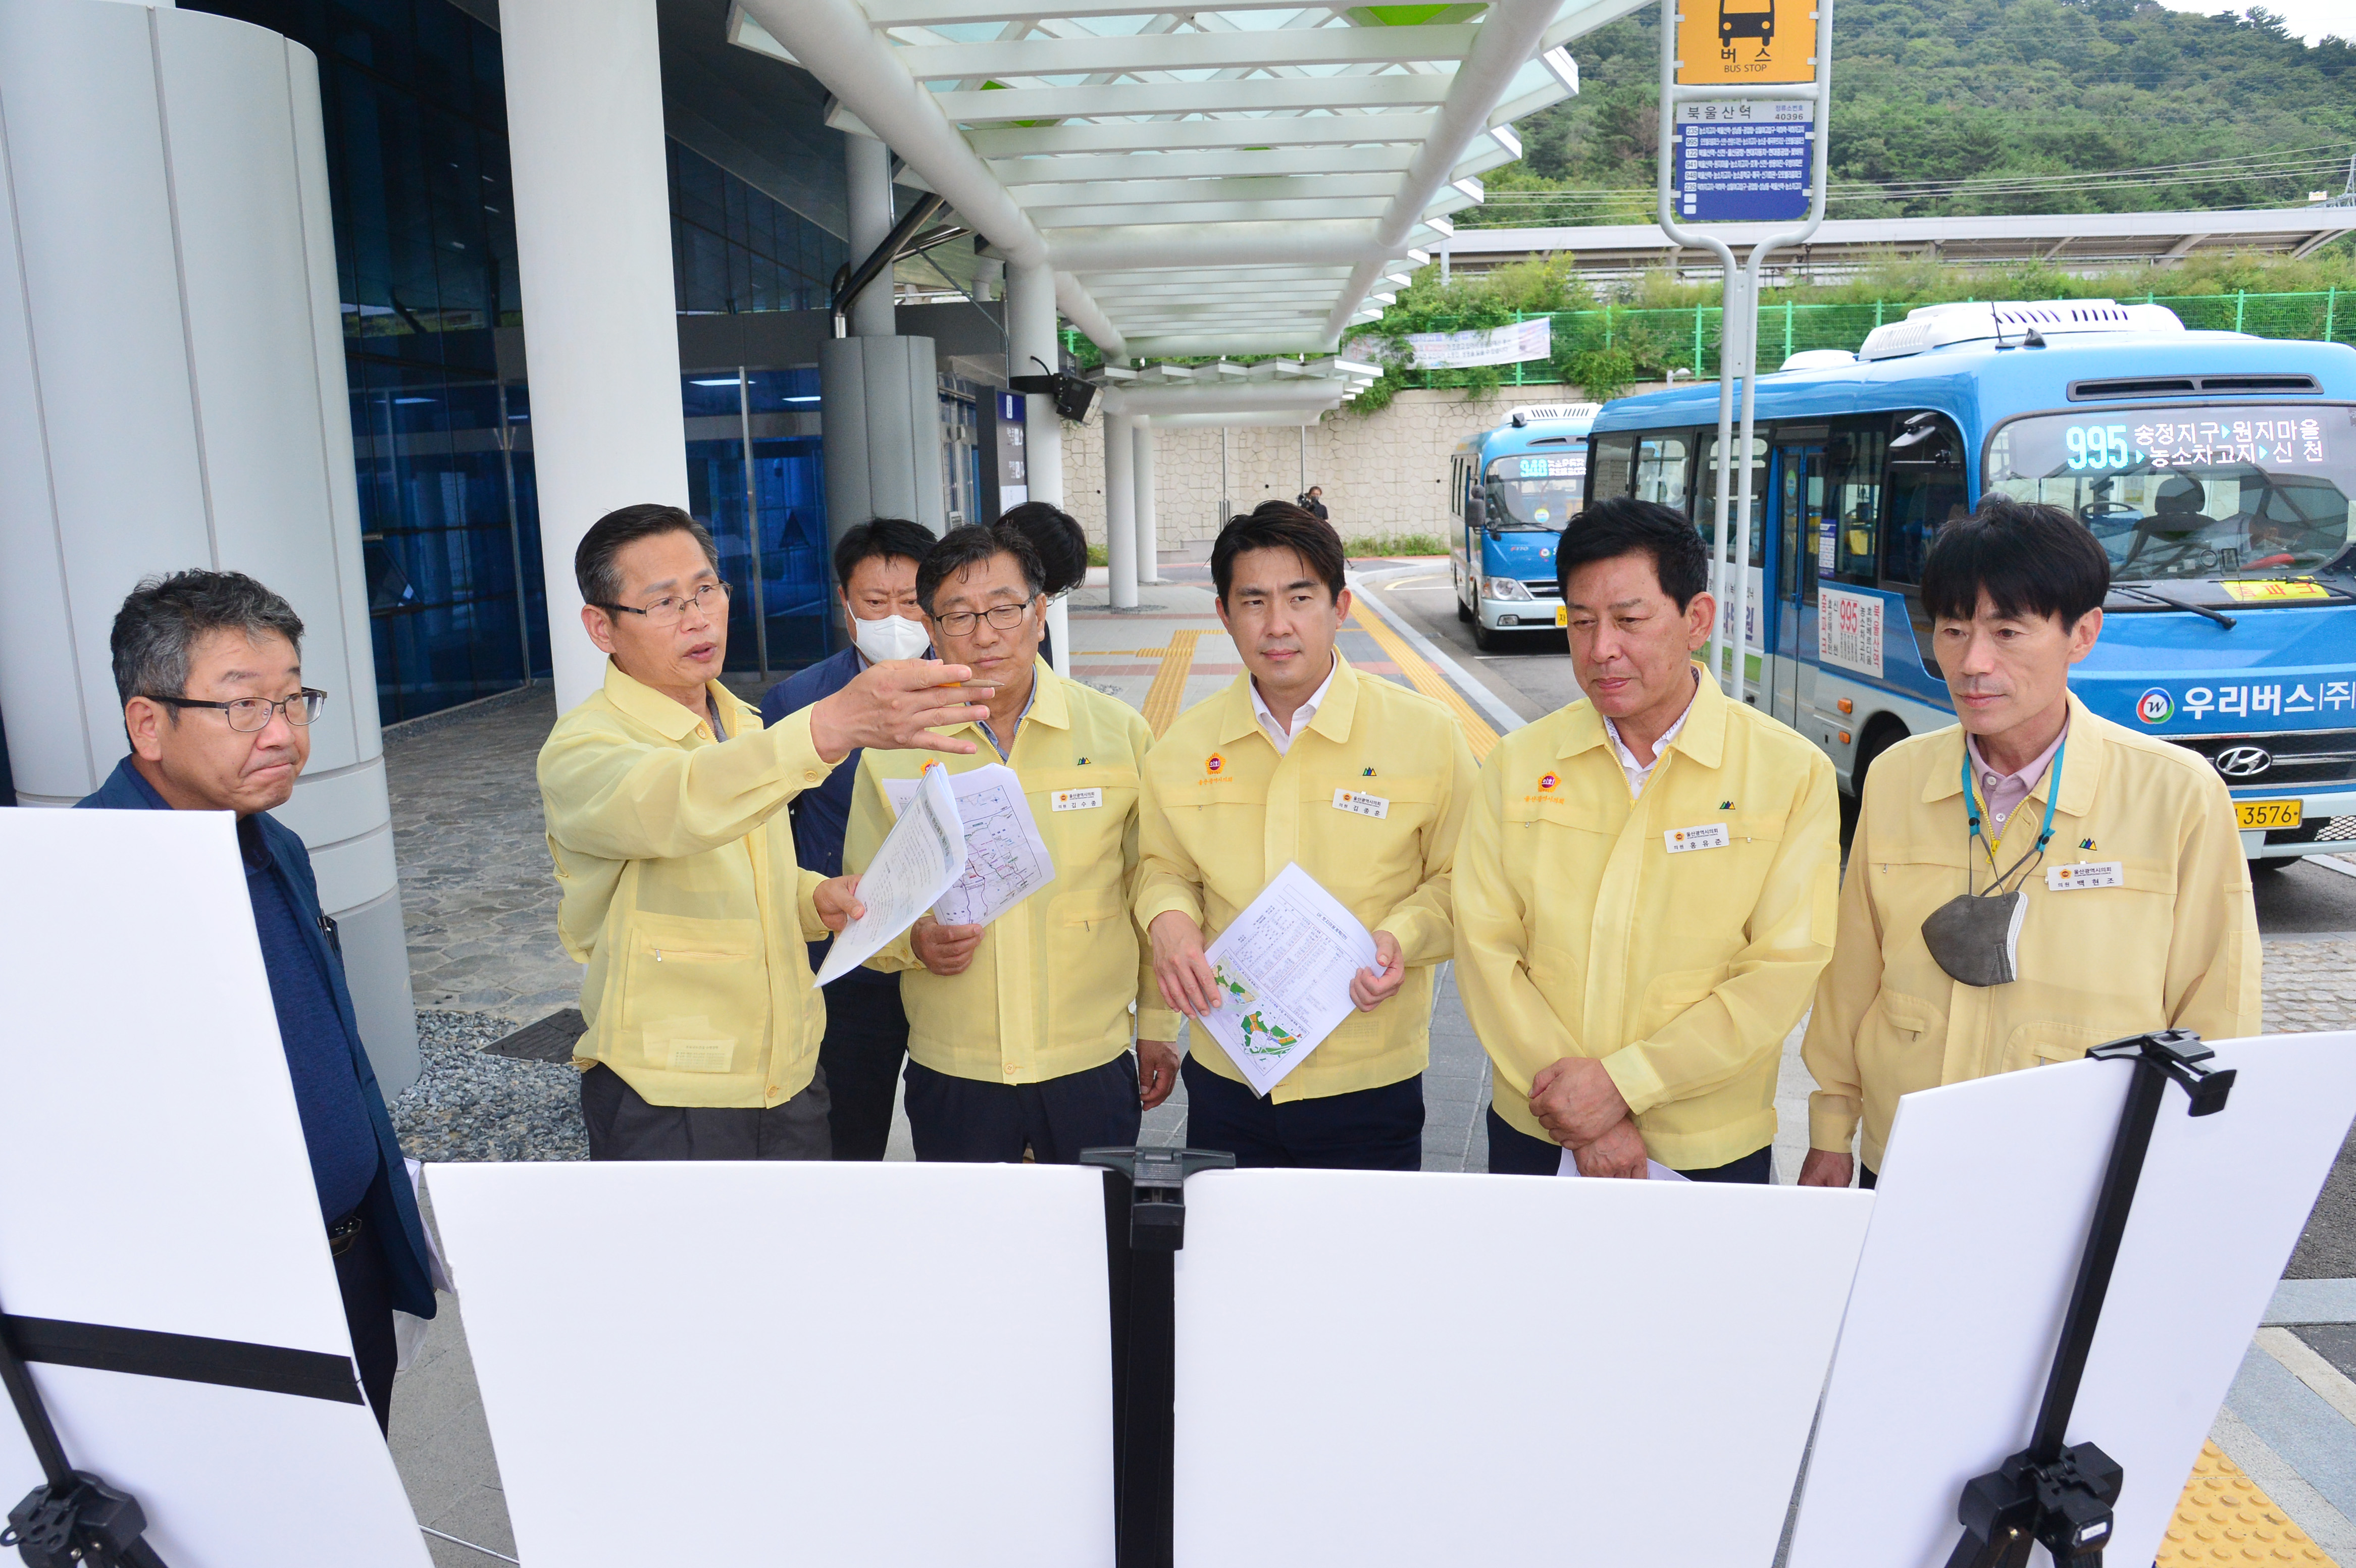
{"x": 1743, "y": 160}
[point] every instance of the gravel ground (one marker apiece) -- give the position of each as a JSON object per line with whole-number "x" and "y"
{"x": 471, "y": 1105}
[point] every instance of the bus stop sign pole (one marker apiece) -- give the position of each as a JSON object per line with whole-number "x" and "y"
{"x": 1746, "y": 103}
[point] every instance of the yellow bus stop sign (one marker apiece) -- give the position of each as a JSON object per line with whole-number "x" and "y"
{"x": 1740, "y": 42}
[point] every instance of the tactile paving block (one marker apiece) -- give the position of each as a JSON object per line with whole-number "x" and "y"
{"x": 2224, "y": 1517}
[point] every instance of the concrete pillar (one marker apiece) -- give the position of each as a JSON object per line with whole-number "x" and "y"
{"x": 881, "y": 397}
{"x": 1120, "y": 509}
{"x": 593, "y": 261}
{"x": 1030, "y": 344}
{"x": 867, "y": 168}
{"x": 172, "y": 395}
{"x": 1149, "y": 539}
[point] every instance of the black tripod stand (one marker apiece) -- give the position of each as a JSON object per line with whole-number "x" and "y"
{"x": 2046, "y": 1494}
{"x": 73, "y": 1519}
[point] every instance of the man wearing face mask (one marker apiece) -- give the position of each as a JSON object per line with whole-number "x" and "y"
{"x": 1646, "y": 883}
{"x": 2032, "y": 880}
{"x": 866, "y": 1028}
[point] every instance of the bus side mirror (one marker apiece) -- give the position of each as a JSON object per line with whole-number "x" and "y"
{"x": 1476, "y": 511}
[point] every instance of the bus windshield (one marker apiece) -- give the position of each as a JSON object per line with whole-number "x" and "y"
{"x": 1536, "y": 492}
{"x": 2242, "y": 490}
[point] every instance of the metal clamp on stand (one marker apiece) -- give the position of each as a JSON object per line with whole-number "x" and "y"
{"x": 1145, "y": 1225}
{"x": 2049, "y": 1495}
{"x": 73, "y": 1519}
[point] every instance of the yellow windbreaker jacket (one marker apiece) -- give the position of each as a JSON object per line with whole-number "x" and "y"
{"x": 2175, "y": 947}
{"x": 1224, "y": 813}
{"x": 676, "y": 858}
{"x": 1580, "y": 933}
{"x": 1049, "y": 989}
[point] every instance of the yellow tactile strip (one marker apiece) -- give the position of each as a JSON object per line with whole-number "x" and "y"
{"x": 1428, "y": 680}
{"x": 2225, "y": 1518}
{"x": 1167, "y": 692}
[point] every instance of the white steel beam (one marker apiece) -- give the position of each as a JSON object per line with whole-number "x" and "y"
{"x": 1239, "y": 131}
{"x": 1254, "y": 93}
{"x": 938, "y": 13}
{"x": 1507, "y": 40}
{"x": 1215, "y": 213}
{"x": 1145, "y": 191}
{"x": 1234, "y": 162}
{"x": 1120, "y": 54}
{"x": 836, "y": 41}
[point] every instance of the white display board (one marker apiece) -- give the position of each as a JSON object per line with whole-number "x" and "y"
{"x": 153, "y": 1175}
{"x": 893, "y": 1366}
{"x": 1377, "y": 1368}
{"x": 1980, "y": 1220}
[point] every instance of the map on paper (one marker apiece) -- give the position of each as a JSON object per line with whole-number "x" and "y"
{"x": 1005, "y": 860}
{"x": 918, "y": 860}
{"x": 1283, "y": 971}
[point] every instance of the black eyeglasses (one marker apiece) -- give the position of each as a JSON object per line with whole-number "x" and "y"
{"x": 1005, "y": 617}
{"x": 668, "y": 610}
{"x": 250, "y": 714}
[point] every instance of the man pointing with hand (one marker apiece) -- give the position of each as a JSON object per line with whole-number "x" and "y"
{"x": 664, "y": 799}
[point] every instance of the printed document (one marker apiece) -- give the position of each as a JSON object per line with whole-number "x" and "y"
{"x": 1653, "y": 1169}
{"x": 1281, "y": 973}
{"x": 1005, "y": 860}
{"x": 920, "y": 858}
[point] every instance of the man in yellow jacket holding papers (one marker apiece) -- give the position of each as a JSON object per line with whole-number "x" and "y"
{"x": 1019, "y": 1027}
{"x": 666, "y": 825}
{"x": 1646, "y": 890}
{"x": 1360, "y": 782}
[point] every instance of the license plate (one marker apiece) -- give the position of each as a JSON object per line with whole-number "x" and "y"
{"x": 2267, "y": 813}
{"x": 1563, "y": 614}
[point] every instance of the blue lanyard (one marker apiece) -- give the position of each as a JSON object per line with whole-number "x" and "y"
{"x": 2044, "y": 834}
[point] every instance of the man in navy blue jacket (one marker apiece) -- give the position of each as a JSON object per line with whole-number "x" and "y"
{"x": 866, "y": 1030}
{"x": 208, "y": 668}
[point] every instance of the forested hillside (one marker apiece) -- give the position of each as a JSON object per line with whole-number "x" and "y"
{"x": 1962, "y": 106}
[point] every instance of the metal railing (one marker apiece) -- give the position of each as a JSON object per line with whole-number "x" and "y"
{"x": 1686, "y": 338}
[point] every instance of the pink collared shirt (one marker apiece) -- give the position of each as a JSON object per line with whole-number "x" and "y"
{"x": 2001, "y": 794}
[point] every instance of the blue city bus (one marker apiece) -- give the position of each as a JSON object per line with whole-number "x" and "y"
{"x": 1509, "y": 491}
{"x": 2214, "y": 468}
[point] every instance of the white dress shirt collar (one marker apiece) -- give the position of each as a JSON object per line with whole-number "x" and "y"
{"x": 1302, "y": 717}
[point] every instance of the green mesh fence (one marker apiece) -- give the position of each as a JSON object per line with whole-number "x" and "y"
{"x": 1686, "y": 339}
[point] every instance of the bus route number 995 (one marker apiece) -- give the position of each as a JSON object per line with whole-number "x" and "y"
{"x": 2099, "y": 446}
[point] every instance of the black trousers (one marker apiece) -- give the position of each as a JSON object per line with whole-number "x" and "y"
{"x": 866, "y": 1040}
{"x": 1513, "y": 1152}
{"x": 966, "y": 1119}
{"x": 366, "y": 1282}
{"x": 1866, "y": 1176}
{"x": 1365, "y": 1129}
{"x": 623, "y": 1125}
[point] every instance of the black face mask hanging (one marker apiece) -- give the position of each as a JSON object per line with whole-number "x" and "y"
{"x": 1975, "y": 937}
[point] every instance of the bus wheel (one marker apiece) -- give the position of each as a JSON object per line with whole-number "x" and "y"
{"x": 1463, "y": 611}
{"x": 1882, "y": 738}
{"x": 1483, "y": 638}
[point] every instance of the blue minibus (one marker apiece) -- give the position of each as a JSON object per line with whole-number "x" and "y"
{"x": 2214, "y": 468}
{"x": 1509, "y": 491}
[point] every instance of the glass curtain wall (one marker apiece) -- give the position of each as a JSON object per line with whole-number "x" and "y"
{"x": 417, "y": 164}
{"x": 768, "y": 517}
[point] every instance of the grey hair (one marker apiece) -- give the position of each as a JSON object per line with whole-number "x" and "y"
{"x": 163, "y": 618}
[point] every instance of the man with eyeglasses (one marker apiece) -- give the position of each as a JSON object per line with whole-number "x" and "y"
{"x": 210, "y": 669}
{"x": 1020, "y": 1030}
{"x": 666, "y": 800}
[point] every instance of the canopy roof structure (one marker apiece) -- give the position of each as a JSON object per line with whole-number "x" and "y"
{"x": 2085, "y": 241}
{"x": 1255, "y": 178}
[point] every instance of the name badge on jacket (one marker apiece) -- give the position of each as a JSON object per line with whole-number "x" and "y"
{"x": 1364, "y": 805}
{"x": 2086, "y": 874}
{"x": 1077, "y": 799}
{"x": 1708, "y": 836}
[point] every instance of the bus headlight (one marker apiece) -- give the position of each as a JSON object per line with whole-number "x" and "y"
{"x": 1502, "y": 588}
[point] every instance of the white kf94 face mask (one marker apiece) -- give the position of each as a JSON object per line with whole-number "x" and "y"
{"x": 892, "y": 637}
